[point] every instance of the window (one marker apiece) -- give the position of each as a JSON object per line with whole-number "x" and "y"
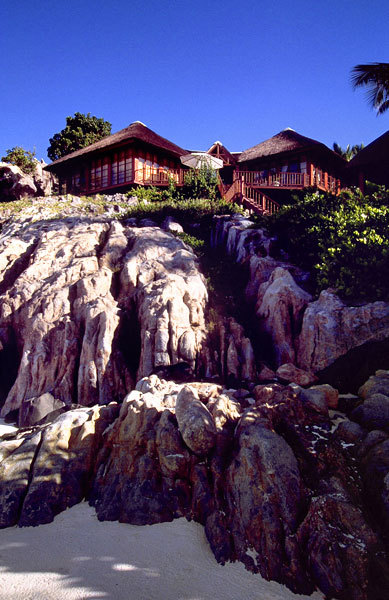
{"x": 75, "y": 182}
{"x": 121, "y": 167}
{"x": 111, "y": 170}
{"x": 105, "y": 172}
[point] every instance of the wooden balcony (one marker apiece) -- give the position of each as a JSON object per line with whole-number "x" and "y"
{"x": 287, "y": 180}
{"x": 274, "y": 180}
{"x": 160, "y": 176}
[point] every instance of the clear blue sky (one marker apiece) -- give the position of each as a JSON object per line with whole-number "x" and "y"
{"x": 193, "y": 71}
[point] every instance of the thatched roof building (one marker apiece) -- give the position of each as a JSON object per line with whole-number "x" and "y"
{"x": 287, "y": 142}
{"x": 371, "y": 163}
{"x": 136, "y": 132}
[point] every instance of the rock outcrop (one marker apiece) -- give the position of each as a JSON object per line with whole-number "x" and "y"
{"x": 330, "y": 329}
{"x": 312, "y": 334}
{"x": 269, "y": 477}
{"x": 90, "y": 307}
{"x": 280, "y": 307}
{"x": 15, "y": 184}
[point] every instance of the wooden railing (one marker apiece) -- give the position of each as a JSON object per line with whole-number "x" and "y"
{"x": 234, "y": 190}
{"x": 326, "y": 182}
{"x": 251, "y": 198}
{"x": 258, "y": 201}
{"x": 150, "y": 176}
{"x": 289, "y": 180}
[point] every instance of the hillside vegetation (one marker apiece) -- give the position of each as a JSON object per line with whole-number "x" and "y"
{"x": 343, "y": 241}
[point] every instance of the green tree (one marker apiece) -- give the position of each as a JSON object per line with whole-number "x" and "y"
{"x": 24, "y": 159}
{"x": 201, "y": 183}
{"x": 80, "y": 131}
{"x": 349, "y": 152}
{"x": 376, "y": 77}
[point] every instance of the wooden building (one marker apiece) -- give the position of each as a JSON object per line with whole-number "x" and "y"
{"x": 259, "y": 177}
{"x": 134, "y": 155}
{"x": 371, "y": 164}
{"x": 290, "y": 161}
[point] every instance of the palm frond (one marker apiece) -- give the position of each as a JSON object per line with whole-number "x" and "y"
{"x": 376, "y": 77}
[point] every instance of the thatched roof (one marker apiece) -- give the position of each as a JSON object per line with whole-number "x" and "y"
{"x": 136, "y": 131}
{"x": 376, "y": 152}
{"x": 287, "y": 140}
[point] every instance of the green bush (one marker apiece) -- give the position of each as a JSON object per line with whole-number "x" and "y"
{"x": 193, "y": 241}
{"x": 146, "y": 194}
{"x": 24, "y": 159}
{"x": 343, "y": 240}
{"x": 201, "y": 183}
{"x": 191, "y": 211}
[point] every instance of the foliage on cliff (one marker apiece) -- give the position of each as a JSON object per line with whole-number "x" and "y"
{"x": 24, "y": 159}
{"x": 342, "y": 240}
{"x": 80, "y": 131}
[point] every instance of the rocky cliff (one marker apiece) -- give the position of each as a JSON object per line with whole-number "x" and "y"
{"x": 117, "y": 376}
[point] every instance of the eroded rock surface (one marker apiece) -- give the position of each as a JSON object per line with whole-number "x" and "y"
{"x": 312, "y": 334}
{"x": 15, "y": 184}
{"x": 270, "y": 478}
{"x": 89, "y": 307}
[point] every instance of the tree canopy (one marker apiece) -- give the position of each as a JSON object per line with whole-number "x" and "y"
{"x": 349, "y": 152}
{"x": 80, "y": 131}
{"x": 376, "y": 77}
{"x": 24, "y": 159}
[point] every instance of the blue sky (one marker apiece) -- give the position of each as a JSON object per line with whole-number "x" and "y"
{"x": 194, "y": 72}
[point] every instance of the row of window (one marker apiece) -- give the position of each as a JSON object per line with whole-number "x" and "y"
{"x": 118, "y": 169}
{"x": 108, "y": 171}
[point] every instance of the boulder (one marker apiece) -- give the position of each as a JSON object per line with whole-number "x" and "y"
{"x": 350, "y": 432}
{"x": 195, "y": 422}
{"x": 330, "y": 329}
{"x": 373, "y": 413}
{"x": 280, "y": 307}
{"x": 271, "y": 484}
{"x": 290, "y": 373}
{"x": 376, "y": 384}
{"x": 263, "y": 516}
{"x": 14, "y": 184}
{"x": 375, "y": 470}
{"x": 169, "y": 224}
{"x": 35, "y": 409}
{"x": 330, "y": 394}
{"x": 266, "y": 374}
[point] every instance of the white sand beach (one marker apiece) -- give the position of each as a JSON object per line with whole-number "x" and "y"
{"x": 76, "y": 557}
{"x": 6, "y": 427}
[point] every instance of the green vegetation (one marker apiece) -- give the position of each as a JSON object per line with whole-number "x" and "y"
{"x": 342, "y": 240}
{"x": 349, "y": 152}
{"x": 201, "y": 183}
{"x": 193, "y": 210}
{"x": 24, "y": 159}
{"x": 80, "y": 131}
{"x": 375, "y": 76}
{"x": 193, "y": 241}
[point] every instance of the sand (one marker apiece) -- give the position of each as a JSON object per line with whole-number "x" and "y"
{"x": 6, "y": 427}
{"x": 77, "y": 557}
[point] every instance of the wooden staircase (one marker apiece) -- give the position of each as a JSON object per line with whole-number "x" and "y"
{"x": 251, "y": 198}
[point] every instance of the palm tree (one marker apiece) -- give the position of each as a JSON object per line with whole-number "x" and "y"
{"x": 376, "y": 77}
{"x": 349, "y": 152}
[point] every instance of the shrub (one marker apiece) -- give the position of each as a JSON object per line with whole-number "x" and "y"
{"x": 343, "y": 240}
{"x": 24, "y": 159}
{"x": 192, "y": 210}
{"x": 193, "y": 241}
{"x": 201, "y": 183}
